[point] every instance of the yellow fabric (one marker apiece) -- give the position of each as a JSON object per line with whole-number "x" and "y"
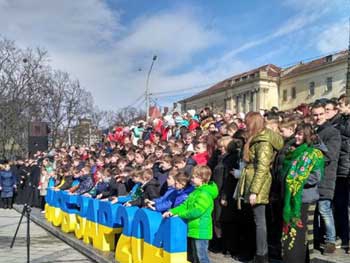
{"x": 61, "y": 183}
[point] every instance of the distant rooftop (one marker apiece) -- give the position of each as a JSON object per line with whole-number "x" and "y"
{"x": 271, "y": 71}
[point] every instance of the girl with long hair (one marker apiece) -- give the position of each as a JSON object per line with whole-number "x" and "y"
{"x": 255, "y": 182}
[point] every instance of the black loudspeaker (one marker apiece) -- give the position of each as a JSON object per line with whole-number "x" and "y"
{"x": 38, "y": 129}
{"x": 37, "y": 143}
{"x": 38, "y": 137}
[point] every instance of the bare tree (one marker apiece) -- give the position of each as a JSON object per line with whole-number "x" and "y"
{"x": 30, "y": 90}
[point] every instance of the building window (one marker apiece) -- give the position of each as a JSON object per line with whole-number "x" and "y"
{"x": 252, "y": 76}
{"x": 294, "y": 92}
{"x": 329, "y": 58}
{"x": 329, "y": 83}
{"x": 285, "y": 95}
{"x": 311, "y": 88}
{"x": 244, "y": 78}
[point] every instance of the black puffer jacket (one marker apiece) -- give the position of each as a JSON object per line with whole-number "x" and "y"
{"x": 330, "y": 136}
{"x": 277, "y": 186}
{"x": 342, "y": 123}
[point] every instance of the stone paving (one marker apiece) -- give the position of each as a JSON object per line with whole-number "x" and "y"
{"x": 44, "y": 246}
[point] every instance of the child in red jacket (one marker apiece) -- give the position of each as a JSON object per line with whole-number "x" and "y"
{"x": 201, "y": 156}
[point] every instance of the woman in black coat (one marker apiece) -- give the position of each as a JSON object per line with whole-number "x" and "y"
{"x": 224, "y": 204}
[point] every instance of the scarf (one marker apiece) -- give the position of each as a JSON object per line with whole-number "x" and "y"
{"x": 297, "y": 166}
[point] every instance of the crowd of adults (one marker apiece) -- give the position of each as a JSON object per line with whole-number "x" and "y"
{"x": 278, "y": 181}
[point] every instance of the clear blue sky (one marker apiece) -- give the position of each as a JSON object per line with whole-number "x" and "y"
{"x": 108, "y": 45}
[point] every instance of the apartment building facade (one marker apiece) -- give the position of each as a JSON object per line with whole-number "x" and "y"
{"x": 269, "y": 85}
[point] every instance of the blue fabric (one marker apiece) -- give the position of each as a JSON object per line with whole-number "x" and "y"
{"x": 181, "y": 195}
{"x": 51, "y": 182}
{"x": 99, "y": 188}
{"x": 130, "y": 196}
{"x": 325, "y": 210}
{"x": 85, "y": 184}
{"x": 75, "y": 182}
{"x": 93, "y": 169}
{"x": 172, "y": 198}
{"x": 202, "y": 250}
{"x": 7, "y": 182}
{"x": 166, "y": 201}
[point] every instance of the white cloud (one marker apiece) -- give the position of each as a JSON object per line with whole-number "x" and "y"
{"x": 334, "y": 38}
{"x": 174, "y": 36}
{"x": 86, "y": 39}
{"x": 59, "y": 24}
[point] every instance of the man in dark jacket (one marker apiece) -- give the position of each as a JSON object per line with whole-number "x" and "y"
{"x": 34, "y": 179}
{"x": 330, "y": 136}
{"x": 341, "y": 121}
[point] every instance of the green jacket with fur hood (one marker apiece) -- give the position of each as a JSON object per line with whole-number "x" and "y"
{"x": 197, "y": 210}
{"x": 256, "y": 177}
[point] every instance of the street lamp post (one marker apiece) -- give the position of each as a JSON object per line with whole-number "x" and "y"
{"x": 147, "y": 87}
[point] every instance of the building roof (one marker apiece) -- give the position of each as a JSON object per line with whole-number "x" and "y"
{"x": 270, "y": 69}
{"x": 313, "y": 65}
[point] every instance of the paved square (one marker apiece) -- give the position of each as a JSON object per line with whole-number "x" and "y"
{"x": 44, "y": 246}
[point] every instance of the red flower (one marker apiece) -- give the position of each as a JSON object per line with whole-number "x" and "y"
{"x": 299, "y": 224}
{"x": 285, "y": 228}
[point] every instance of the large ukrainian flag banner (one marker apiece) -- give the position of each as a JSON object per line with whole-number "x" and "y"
{"x": 136, "y": 235}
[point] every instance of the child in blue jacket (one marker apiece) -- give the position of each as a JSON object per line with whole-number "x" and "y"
{"x": 179, "y": 188}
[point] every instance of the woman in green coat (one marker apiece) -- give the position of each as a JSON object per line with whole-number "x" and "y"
{"x": 255, "y": 182}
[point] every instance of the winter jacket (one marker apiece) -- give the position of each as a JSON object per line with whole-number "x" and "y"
{"x": 99, "y": 188}
{"x": 256, "y": 177}
{"x": 34, "y": 178}
{"x": 67, "y": 182}
{"x": 230, "y": 161}
{"x": 277, "y": 186}
{"x": 197, "y": 210}
{"x": 7, "y": 183}
{"x": 43, "y": 184}
{"x": 85, "y": 184}
{"x": 150, "y": 190}
{"x": 161, "y": 176}
{"x": 172, "y": 198}
{"x": 330, "y": 136}
{"x": 226, "y": 184}
{"x": 213, "y": 160}
{"x": 342, "y": 123}
{"x": 201, "y": 158}
{"x": 115, "y": 189}
{"x": 15, "y": 169}
{"x": 190, "y": 163}
{"x": 164, "y": 202}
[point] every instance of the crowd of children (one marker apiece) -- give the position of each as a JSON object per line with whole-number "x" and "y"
{"x": 250, "y": 186}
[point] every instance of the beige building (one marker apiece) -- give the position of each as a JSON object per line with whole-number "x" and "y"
{"x": 269, "y": 85}
{"x": 306, "y": 82}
